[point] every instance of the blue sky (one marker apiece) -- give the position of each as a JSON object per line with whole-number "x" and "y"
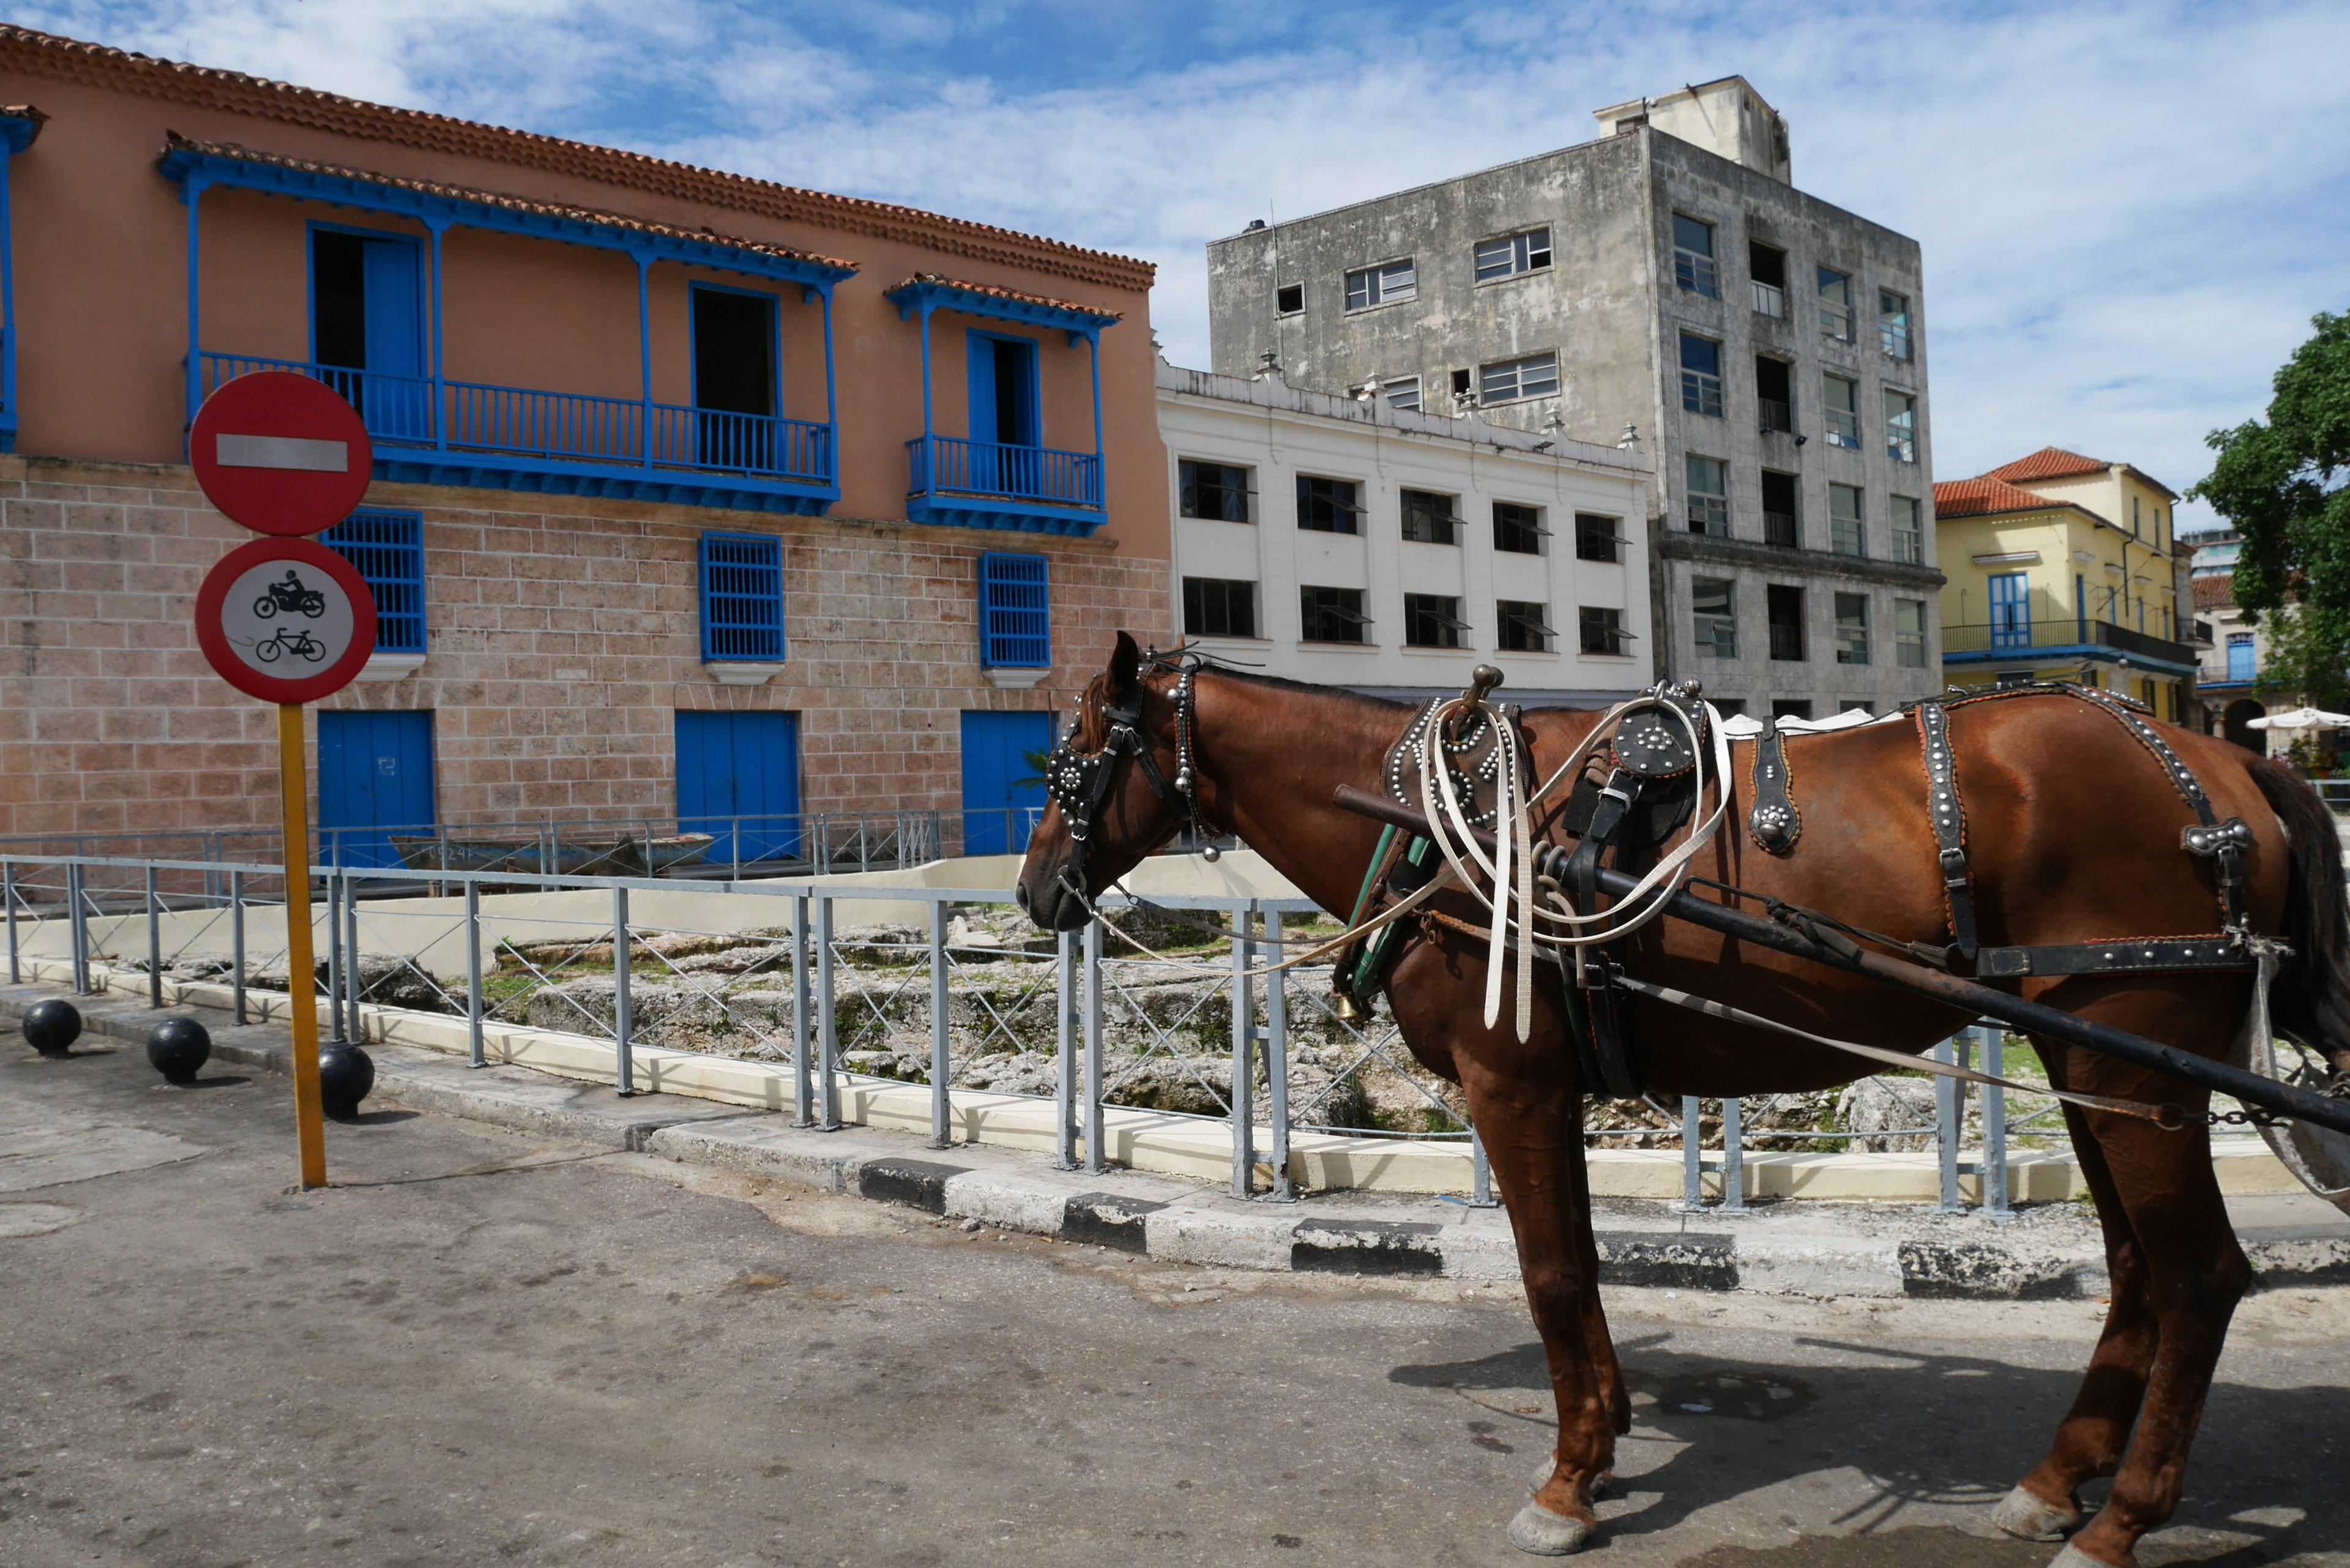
{"x": 2128, "y": 212}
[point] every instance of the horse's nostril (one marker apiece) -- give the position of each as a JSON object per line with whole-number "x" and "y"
{"x": 1020, "y": 897}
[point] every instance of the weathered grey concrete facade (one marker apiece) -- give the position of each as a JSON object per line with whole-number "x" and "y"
{"x": 1610, "y": 304}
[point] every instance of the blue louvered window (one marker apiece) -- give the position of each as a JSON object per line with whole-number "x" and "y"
{"x": 1016, "y": 623}
{"x": 387, "y": 550}
{"x": 742, "y": 598}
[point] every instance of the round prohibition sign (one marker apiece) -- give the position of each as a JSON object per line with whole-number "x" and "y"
{"x": 285, "y": 620}
{"x": 281, "y": 453}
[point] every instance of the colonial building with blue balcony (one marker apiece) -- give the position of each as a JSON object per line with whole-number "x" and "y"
{"x": 1000, "y": 473}
{"x": 379, "y": 328}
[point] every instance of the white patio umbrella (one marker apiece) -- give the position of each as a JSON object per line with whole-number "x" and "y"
{"x": 2301, "y": 719}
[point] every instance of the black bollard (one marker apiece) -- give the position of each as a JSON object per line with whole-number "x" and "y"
{"x": 52, "y": 1026}
{"x": 346, "y": 1074}
{"x": 178, "y": 1048}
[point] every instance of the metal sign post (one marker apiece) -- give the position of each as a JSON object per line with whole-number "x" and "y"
{"x": 286, "y": 621}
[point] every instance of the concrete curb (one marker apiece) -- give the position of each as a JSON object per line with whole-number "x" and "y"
{"x": 1807, "y": 1249}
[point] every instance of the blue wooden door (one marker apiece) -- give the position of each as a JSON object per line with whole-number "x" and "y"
{"x": 375, "y": 778}
{"x": 2011, "y": 610}
{"x": 1002, "y": 791}
{"x": 2240, "y": 656}
{"x": 398, "y": 395}
{"x": 739, "y": 774}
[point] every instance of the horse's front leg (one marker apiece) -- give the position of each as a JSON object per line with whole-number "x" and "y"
{"x": 1531, "y": 1123}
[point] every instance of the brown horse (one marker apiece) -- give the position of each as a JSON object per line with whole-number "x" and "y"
{"x": 2073, "y": 832}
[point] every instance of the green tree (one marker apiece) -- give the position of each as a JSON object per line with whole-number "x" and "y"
{"x": 2282, "y": 483}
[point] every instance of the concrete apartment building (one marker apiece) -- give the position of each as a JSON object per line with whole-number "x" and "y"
{"x": 1351, "y": 543}
{"x": 694, "y": 495}
{"x": 1766, "y": 350}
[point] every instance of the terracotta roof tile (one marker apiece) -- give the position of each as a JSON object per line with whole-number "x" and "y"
{"x": 2215, "y": 592}
{"x": 2048, "y": 462}
{"x": 175, "y": 140}
{"x": 995, "y": 292}
{"x": 1986, "y": 496}
{"x": 120, "y": 71}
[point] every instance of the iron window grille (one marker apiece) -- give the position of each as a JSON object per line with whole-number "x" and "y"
{"x": 1432, "y": 621}
{"x": 387, "y": 549}
{"x": 1845, "y": 533}
{"x": 1515, "y": 380}
{"x": 1598, "y": 538}
{"x": 1901, "y": 427}
{"x": 1836, "y": 305}
{"x": 1429, "y": 518}
{"x": 1893, "y": 324}
{"x": 1329, "y": 505}
{"x": 1331, "y": 614}
{"x": 1219, "y": 607}
{"x": 1842, "y": 399}
{"x": 1525, "y": 626}
{"x": 1701, "y": 375}
{"x": 1219, "y": 490}
{"x": 1518, "y": 529}
{"x": 1602, "y": 629}
{"x": 1910, "y": 633}
{"x": 1713, "y": 610}
{"x": 1512, "y": 255}
{"x": 1709, "y": 496}
{"x": 1693, "y": 264}
{"x": 742, "y": 598}
{"x": 1016, "y": 622}
{"x": 1852, "y": 628}
{"x": 1390, "y": 283}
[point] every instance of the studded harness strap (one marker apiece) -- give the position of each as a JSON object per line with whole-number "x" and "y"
{"x": 1949, "y": 819}
{"x": 1774, "y": 821}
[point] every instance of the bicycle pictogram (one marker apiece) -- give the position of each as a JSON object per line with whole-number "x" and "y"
{"x": 300, "y": 644}
{"x": 290, "y": 595}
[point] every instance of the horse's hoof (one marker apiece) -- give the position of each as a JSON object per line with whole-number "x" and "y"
{"x": 1541, "y": 1479}
{"x": 2074, "y": 1557}
{"x": 2029, "y": 1518}
{"x": 1546, "y": 1535}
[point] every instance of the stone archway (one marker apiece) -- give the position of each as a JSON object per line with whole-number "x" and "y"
{"x": 2235, "y": 723}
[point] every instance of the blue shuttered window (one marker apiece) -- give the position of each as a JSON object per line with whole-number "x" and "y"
{"x": 388, "y": 549}
{"x": 742, "y": 598}
{"x": 1016, "y": 624}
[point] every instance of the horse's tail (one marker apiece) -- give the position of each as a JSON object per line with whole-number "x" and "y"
{"x": 2312, "y": 995}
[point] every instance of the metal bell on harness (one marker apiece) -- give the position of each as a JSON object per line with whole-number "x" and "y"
{"x": 1210, "y": 854}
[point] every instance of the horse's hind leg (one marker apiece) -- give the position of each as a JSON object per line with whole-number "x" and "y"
{"x": 2188, "y": 1272}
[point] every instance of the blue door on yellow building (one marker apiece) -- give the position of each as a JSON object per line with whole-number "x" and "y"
{"x": 2011, "y": 611}
{"x": 375, "y": 778}
{"x": 1002, "y": 789}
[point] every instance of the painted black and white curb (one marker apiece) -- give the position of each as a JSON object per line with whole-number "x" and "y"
{"x": 1816, "y": 1249}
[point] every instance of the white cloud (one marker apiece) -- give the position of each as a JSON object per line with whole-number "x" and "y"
{"x": 2128, "y": 212}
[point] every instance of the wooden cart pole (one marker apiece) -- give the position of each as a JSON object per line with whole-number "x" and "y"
{"x": 309, "y": 1119}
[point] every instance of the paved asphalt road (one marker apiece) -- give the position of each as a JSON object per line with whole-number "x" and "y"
{"x": 477, "y": 1348}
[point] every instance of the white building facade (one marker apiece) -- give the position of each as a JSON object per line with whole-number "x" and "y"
{"x": 1351, "y": 543}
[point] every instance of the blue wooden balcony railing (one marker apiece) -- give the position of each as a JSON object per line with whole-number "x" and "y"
{"x": 523, "y": 422}
{"x": 950, "y": 465}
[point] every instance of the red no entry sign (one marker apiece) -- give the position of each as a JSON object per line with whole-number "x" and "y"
{"x": 281, "y": 453}
{"x": 285, "y": 620}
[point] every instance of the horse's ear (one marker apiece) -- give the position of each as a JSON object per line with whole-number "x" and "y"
{"x": 1125, "y": 663}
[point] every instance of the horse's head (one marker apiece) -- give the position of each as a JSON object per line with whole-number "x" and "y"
{"x": 1113, "y": 789}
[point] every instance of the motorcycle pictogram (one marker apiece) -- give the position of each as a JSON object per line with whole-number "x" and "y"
{"x": 300, "y": 644}
{"x": 290, "y": 595}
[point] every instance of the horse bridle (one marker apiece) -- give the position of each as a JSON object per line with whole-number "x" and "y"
{"x": 1079, "y": 781}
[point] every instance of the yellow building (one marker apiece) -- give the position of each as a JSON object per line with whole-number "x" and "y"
{"x": 2062, "y": 568}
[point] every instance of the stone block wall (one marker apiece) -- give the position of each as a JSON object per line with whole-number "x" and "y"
{"x": 563, "y": 638}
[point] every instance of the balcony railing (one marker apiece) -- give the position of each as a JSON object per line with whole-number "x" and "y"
{"x": 952, "y": 465}
{"x": 1777, "y": 415}
{"x": 1770, "y": 300}
{"x": 2017, "y": 636}
{"x": 1786, "y": 643}
{"x": 517, "y": 421}
{"x": 1782, "y": 529}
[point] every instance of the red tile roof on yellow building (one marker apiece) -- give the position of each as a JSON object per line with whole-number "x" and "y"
{"x": 494, "y": 199}
{"x": 2048, "y": 462}
{"x": 120, "y": 71}
{"x": 1987, "y": 496}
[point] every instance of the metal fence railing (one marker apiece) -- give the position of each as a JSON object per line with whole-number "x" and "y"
{"x": 958, "y": 993}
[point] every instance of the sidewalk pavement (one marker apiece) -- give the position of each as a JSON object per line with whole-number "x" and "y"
{"x": 1808, "y": 1248}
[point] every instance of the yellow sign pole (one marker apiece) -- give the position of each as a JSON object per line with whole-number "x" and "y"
{"x": 309, "y": 1119}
